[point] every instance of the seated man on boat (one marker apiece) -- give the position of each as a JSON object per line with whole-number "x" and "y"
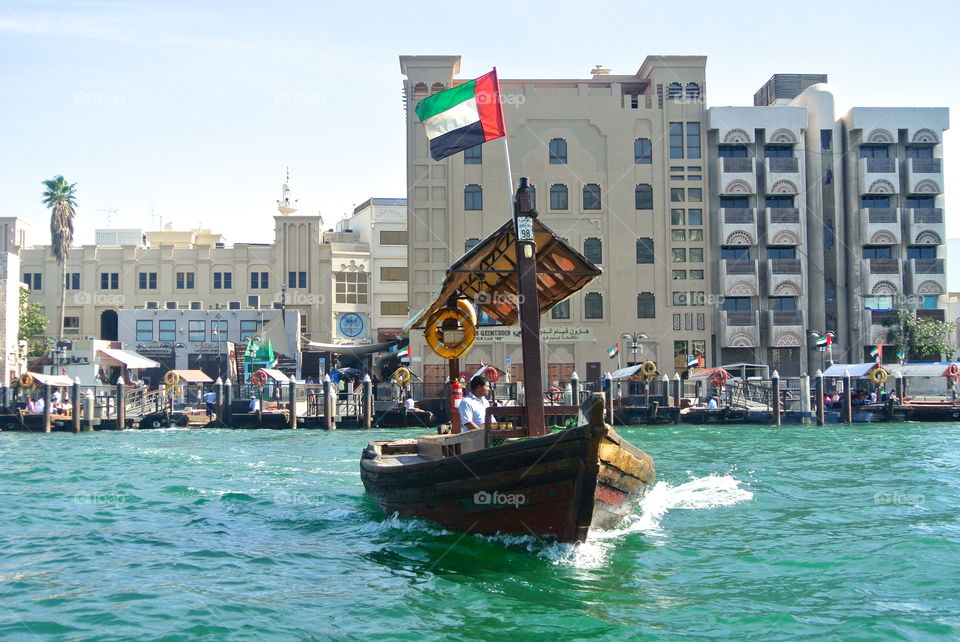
{"x": 473, "y": 406}
{"x": 409, "y": 403}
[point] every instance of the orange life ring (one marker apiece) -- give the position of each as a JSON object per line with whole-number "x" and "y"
{"x": 554, "y": 394}
{"x": 953, "y": 369}
{"x": 26, "y": 381}
{"x": 259, "y": 378}
{"x": 435, "y": 333}
{"x": 492, "y": 374}
{"x": 718, "y": 379}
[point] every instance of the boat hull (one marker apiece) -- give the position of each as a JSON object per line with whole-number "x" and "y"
{"x": 557, "y": 486}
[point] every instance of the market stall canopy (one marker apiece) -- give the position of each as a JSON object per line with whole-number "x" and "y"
{"x": 192, "y": 376}
{"x": 628, "y": 373}
{"x": 354, "y": 350}
{"x": 128, "y": 358}
{"x": 856, "y": 369}
{"x": 487, "y": 275}
{"x": 706, "y": 373}
{"x": 53, "y": 380}
{"x": 919, "y": 369}
{"x": 276, "y": 375}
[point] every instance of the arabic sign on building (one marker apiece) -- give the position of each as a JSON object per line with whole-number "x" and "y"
{"x": 552, "y": 334}
{"x": 351, "y": 325}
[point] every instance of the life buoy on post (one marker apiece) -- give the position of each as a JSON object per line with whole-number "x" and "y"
{"x": 439, "y": 338}
{"x": 259, "y": 378}
{"x": 953, "y": 370}
{"x": 554, "y": 394}
{"x": 171, "y": 378}
{"x": 649, "y": 368}
{"x": 400, "y": 376}
{"x": 718, "y": 379}
{"x": 878, "y": 375}
{"x": 26, "y": 381}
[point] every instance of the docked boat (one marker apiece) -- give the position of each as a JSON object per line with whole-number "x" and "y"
{"x": 404, "y": 418}
{"x": 512, "y": 476}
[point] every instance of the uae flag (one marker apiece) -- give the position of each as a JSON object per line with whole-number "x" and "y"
{"x": 825, "y": 340}
{"x": 613, "y": 350}
{"x": 693, "y": 361}
{"x": 877, "y": 352}
{"x": 404, "y": 353}
{"x": 462, "y": 117}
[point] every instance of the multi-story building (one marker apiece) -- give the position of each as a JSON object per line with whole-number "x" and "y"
{"x": 620, "y": 169}
{"x": 822, "y": 224}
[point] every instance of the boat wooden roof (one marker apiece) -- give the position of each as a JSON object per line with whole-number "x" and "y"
{"x": 487, "y": 275}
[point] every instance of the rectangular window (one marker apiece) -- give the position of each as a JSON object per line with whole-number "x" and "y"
{"x": 874, "y": 201}
{"x": 676, "y": 195}
{"x": 695, "y": 235}
{"x": 473, "y": 198}
{"x": 473, "y": 155}
{"x": 646, "y": 305}
{"x": 145, "y": 330}
{"x": 394, "y": 308}
{"x": 695, "y": 217}
{"x": 877, "y": 252}
{"x": 678, "y": 217}
{"x": 778, "y": 151}
{"x": 929, "y": 302}
{"x": 676, "y": 140}
{"x": 259, "y": 280}
{"x": 679, "y": 275}
{"x": 679, "y": 255}
{"x": 678, "y": 235}
{"x": 249, "y": 328}
{"x": 697, "y": 298}
{"x": 591, "y": 196}
{"x": 222, "y": 280}
{"x": 693, "y": 140}
{"x": 695, "y": 177}
{"x": 826, "y": 139}
{"x": 732, "y": 151}
{"x": 561, "y": 310}
{"x": 676, "y": 177}
{"x": 185, "y": 281}
{"x": 696, "y": 255}
{"x": 33, "y": 280}
{"x": 878, "y": 302}
{"x": 218, "y": 331}
{"x": 783, "y": 303}
{"x": 296, "y": 280}
{"x": 643, "y": 195}
{"x": 733, "y": 303}
{"x": 147, "y": 280}
{"x": 593, "y": 306}
{"x": 645, "y": 250}
{"x": 781, "y": 252}
{"x": 352, "y": 287}
{"x": 398, "y": 237}
{"x": 782, "y": 202}
{"x": 642, "y": 151}
{"x": 921, "y": 252}
{"x": 698, "y": 346}
{"x": 109, "y": 281}
{"x": 197, "y": 331}
{"x": 73, "y": 281}
{"x": 919, "y": 152}
{"x": 734, "y": 202}
{"x": 735, "y": 253}
{"x": 680, "y": 348}
{"x": 874, "y": 151}
{"x": 167, "y": 330}
{"x": 558, "y": 197}
{"x": 679, "y": 298}
{"x": 696, "y": 274}
{"x": 695, "y": 194}
{"x": 71, "y": 325}
{"x": 393, "y": 274}
{"x": 920, "y": 202}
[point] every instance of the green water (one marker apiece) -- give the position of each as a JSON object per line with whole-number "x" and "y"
{"x": 750, "y": 532}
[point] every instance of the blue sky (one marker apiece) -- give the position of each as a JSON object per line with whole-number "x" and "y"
{"x": 191, "y": 111}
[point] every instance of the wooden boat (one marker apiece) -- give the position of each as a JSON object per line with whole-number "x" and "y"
{"x": 515, "y": 477}
{"x": 652, "y": 415}
{"x": 403, "y": 418}
{"x": 934, "y": 410}
{"x": 715, "y": 416}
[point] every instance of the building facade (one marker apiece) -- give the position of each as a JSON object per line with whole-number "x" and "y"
{"x": 619, "y": 166}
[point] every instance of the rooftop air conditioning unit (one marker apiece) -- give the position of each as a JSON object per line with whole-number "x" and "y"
{"x": 234, "y": 305}
{"x": 214, "y": 306}
{"x": 196, "y": 305}
{"x": 90, "y": 337}
{"x": 253, "y": 301}
{"x": 277, "y": 305}
{"x": 171, "y": 305}
{"x": 151, "y": 305}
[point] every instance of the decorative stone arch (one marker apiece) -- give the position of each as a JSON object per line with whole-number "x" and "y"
{"x": 924, "y": 135}
{"x": 883, "y": 237}
{"x": 882, "y": 186}
{"x": 741, "y": 340}
{"x": 737, "y": 135}
{"x": 738, "y": 187}
{"x": 926, "y": 186}
{"x": 929, "y": 288}
{"x": 741, "y": 288}
{"x": 879, "y": 338}
{"x": 739, "y": 237}
{"x": 785, "y": 237}
{"x": 881, "y": 135}
{"x": 787, "y": 340}
{"x": 787, "y": 288}
{"x": 883, "y": 288}
{"x": 928, "y": 238}
{"x": 352, "y": 267}
{"x": 783, "y": 186}
{"x": 783, "y": 136}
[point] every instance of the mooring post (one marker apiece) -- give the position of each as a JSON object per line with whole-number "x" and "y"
{"x": 292, "y": 416}
{"x": 678, "y": 384}
{"x": 75, "y": 404}
{"x": 575, "y": 389}
{"x": 46, "y": 407}
{"x": 368, "y": 401}
{"x": 608, "y": 397}
{"x": 328, "y": 403}
{"x": 665, "y": 390}
{"x": 218, "y": 402}
{"x": 847, "y": 397}
{"x": 227, "y": 403}
{"x": 4, "y": 396}
{"x": 775, "y": 391}
{"x": 805, "y": 398}
{"x": 121, "y": 405}
{"x": 819, "y": 399}
{"x": 89, "y": 405}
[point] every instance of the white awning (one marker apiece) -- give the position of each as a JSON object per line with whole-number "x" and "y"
{"x": 276, "y": 375}
{"x": 53, "y": 380}
{"x": 855, "y": 369}
{"x": 354, "y": 350}
{"x": 626, "y": 373}
{"x": 128, "y": 358}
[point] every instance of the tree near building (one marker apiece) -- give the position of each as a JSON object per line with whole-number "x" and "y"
{"x": 921, "y": 338}
{"x": 59, "y": 197}
{"x": 32, "y": 325}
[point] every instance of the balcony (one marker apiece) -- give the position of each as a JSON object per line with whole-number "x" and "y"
{"x": 785, "y": 328}
{"x": 738, "y": 226}
{"x": 785, "y": 277}
{"x": 880, "y": 226}
{"x": 924, "y": 175}
{"x": 882, "y": 277}
{"x": 925, "y": 225}
{"x": 737, "y": 175}
{"x": 876, "y": 323}
{"x": 738, "y": 277}
{"x": 926, "y": 277}
{"x": 783, "y": 225}
{"x": 781, "y": 169}
{"x": 879, "y": 176}
{"x": 740, "y": 328}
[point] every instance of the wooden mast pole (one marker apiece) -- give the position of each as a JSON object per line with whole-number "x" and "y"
{"x": 529, "y": 307}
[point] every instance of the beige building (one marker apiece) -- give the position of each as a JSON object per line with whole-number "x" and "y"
{"x": 620, "y": 168}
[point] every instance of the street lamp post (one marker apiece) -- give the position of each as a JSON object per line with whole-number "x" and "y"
{"x": 635, "y": 347}
{"x": 216, "y": 339}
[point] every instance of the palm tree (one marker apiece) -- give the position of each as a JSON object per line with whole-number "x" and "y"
{"x": 59, "y": 198}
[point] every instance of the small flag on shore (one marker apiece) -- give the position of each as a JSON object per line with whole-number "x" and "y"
{"x": 613, "y": 350}
{"x": 405, "y": 353}
{"x": 693, "y": 361}
{"x": 463, "y": 117}
{"x": 877, "y": 352}
{"x": 825, "y": 340}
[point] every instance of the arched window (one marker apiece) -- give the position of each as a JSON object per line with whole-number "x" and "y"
{"x": 469, "y": 244}
{"x": 558, "y": 151}
{"x": 646, "y": 305}
{"x": 642, "y": 151}
{"x": 674, "y": 91}
{"x": 591, "y": 196}
{"x": 473, "y": 197}
{"x": 593, "y": 250}
{"x": 644, "y": 197}
{"x": 645, "y": 250}
{"x": 693, "y": 91}
{"x": 558, "y": 197}
{"x": 593, "y": 305}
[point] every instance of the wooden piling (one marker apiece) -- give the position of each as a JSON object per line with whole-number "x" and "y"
{"x": 292, "y": 417}
{"x": 575, "y": 389}
{"x": 75, "y": 402}
{"x": 608, "y": 398}
{"x": 847, "y": 398}
{"x": 775, "y": 386}
{"x": 328, "y": 403}
{"x": 46, "y": 408}
{"x": 121, "y": 405}
{"x": 368, "y": 402}
{"x": 228, "y": 403}
{"x": 819, "y": 399}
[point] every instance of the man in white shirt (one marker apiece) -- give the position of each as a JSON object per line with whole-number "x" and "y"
{"x": 254, "y": 404}
{"x": 409, "y": 403}
{"x": 712, "y": 403}
{"x": 210, "y": 398}
{"x": 473, "y": 407}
